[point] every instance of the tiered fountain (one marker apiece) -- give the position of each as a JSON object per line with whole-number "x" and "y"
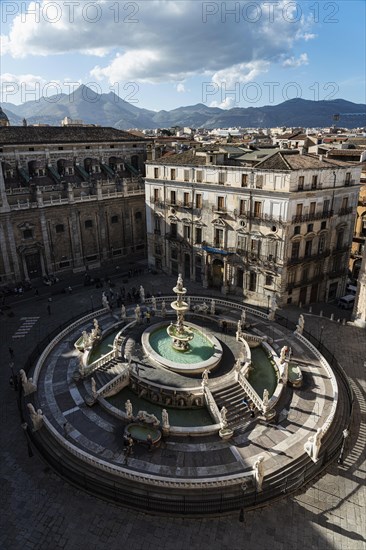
{"x": 180, "y": 333}
{"x": 181, "y": 347}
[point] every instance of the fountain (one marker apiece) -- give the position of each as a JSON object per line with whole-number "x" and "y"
{"x": 180, "y": 334}
{"x": 181, "y": 346}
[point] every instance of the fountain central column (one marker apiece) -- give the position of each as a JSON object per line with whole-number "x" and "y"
{"x": 180, "y": 334}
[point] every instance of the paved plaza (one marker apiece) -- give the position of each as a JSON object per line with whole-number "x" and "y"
{"x": 42, "y": 511}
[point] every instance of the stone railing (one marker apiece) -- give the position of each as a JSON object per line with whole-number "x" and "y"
{"x": 118, "y": 383}
{"x": 158, "y": 481}
{"x": 89, "y": 369}
{"x": 332, "y": 378}
{"x": 59, "y": 337}
{"x": 211, "y": 404}
{"x": 253, "y": 337}
{"x": 250, "y": 391}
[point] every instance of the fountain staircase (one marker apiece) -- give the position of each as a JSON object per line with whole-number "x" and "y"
{"x": 110, "y": 370}
{"x": 238, "y": 414}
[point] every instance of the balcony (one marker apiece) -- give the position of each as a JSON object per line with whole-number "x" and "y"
{"x": 297, "y": 284}
{"x": 305, "y": 259}
{"x": 338, "y": 273}
{"x": 345, "y": 211}
{"x": 304, "y": 218}
{"x": 219, "y": 209}
{"x": 243, "y": 214}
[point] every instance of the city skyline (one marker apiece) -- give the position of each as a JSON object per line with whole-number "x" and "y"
{"x": 162, "y": 55}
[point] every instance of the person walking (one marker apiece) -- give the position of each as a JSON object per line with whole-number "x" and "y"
{"x": 11, "y": 353}
{"x": 252, "y": 410}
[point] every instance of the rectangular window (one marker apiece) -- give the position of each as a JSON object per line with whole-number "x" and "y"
{"x": 219, "y": 238}
{"x": 252, "y": 281}
{"x": 321, "y": 244}
{"x": 242, "y": 207}
{"x": 300, "y": 184}
{"x": 308, "y": 246}
{"x": 114, "y": 219}
{"x": 348, "y": 179}
{"x": 28, "y": 234}
{"x": 186, "y": 199}
{"x": 297, "y": 229}
{"x": 173, "y": 229}
{"x": 299, "y": 210}
{"x": 186, "y": 175}
{"x": 172, "y": 197}
{"x": 88, "y": 224}
{"x": 244, "y": 180}
{"x": 60, "y": 228}
{"x": 172, "y": 174}
{"x": 156, "y": 195}
{"x": 344, "y": 203}
{"x": 257, "y": 209}
{"x": 174, "y": 254}
{"x": 199, "y": 176}
{"x": 198, "y": 237}
{"x": 198, "y": 200}
{"x": 269, "y": 280}
{"x": 187, "y": 232}
{"x": 326, "y": 205}
{"x": 241, "y": 243}
{"x": 222, "y": 178}
{"x": 156, "y": 173}
{"x": 312, "y": 208}
{"x": 314, "y": 182}
{"x": 259, "y": 182}
{"x": 295, "y": 251}
{"x": 220, "y": 203}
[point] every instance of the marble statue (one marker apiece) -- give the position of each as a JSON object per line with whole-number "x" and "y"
{"x": 86, "y": 339}
{"x": 265, "y": 398}
{"x": 96, "y": 332}
{"x": 105, "y": 301}
{"x": 94, "y": 388}
{"x": 165, "y": 419}
{"x": 180, "y": 282}
{"x": 223, "y": 414}
{"x": 129, "y": 409}
{"x": 138, "y": 313}
{"x": 153, "y": 303}
{"x": 205, "y": 374}
{"x": 284, "y": 372}
{"x": 142, "y": 294}
{"x": 300, "y": 325}
{"x": 189, "y": 302}
{"x": 213, "y": 307}
{"x": 272, "y": 309}
{"x": 239, "y": 327}
{"x": 243, "y": 317}
{"x": 312, "y": 446}
{"x": 163, "y": 308}
{"x": 283, "y": 354}
{"x": 27, "y": 383}
{"x": 259, "y": 473}
{"x": 123, "y": 311}
{"x": 36, "y": 417}
{"x": 144, "y": 416}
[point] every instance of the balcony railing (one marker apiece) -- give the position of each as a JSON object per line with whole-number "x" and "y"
{"x": 302, "y": 218}
{"x": 338, "y": 273}
{"x": 310, "y": 258}
{"x": 345, "y": 211}
{"x": 296, "y": 284}
{"x": 219, "y": 209}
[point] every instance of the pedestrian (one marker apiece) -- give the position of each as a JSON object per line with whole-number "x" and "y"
{"x": 147, "y": 315}
{"x": 69, "y": 290}
{"x": 11, "y": 352}
{"x": 137, "y": 369}
{"x": 36, "y": 293}
{"x": 252, "y": 411}
{"x": 245, "y": 402}
{"x": 49, "y": 309}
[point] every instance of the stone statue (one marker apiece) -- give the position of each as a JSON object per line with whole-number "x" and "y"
{"x": 180, "y": 282}
{"x": 144, "y": 416}
{"x": 94, "y": 388}
{"x": 123, "y": 311}
{"x": 138, "y": 313}
{"x": 27, "y": 383}
{"x": 165, "y": 419}
{"x": 283, "y": 354}
{"x": 96, "y": 332}
{"x": 189, "y": 302}
{"x": 300, "y": 325}
{"x": 105, "y": 301}
{"x": 239, "y": 327}
{"x": 223, "y": 414}
{"x": 265, "y": 398}
{"x": 36, "y": 417}
{"x": 312, "y": 446}
{"x": 259, "y": 472}
{"x": 129, "y": 409}
{"x": 163, "y": 309}
{"x": 243, "y": 317}
{"x": 205, "y": 374}
{"x": 86, "y": 339}
{"x": 153, "y": 303}
{"x": 142, "y": 294}
{"x": 284, "y": 372}
{"x": 213, "y": 306}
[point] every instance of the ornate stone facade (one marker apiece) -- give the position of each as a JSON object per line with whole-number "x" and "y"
{"x": 70, "y": 199}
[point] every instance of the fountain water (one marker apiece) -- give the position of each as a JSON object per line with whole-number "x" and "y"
{"x": 180, "y": 333}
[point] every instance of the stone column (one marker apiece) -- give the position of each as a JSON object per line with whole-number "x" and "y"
{"x": 46, "y": 241}
{"x": 4, "y": 253}
{"x": 13, "y": 250}
{"x": 76, "y": 246}
{"x": 225, "y": 288}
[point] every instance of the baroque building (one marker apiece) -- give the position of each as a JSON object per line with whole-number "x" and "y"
{"x": 277, "y": 230}
{"x": 71, "y": 198}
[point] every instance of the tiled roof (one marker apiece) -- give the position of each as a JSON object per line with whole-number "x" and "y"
{"x": 180, "y": 159}
{"x": 345, "y": 153}
{"x": 22, "y": 135}
{"x": 283, "y": 161}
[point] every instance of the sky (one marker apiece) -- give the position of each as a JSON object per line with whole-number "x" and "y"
{"x": 164, "y": 54}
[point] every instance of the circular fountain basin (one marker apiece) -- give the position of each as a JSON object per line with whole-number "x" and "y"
{"x": 205, "y": 350}
{"x": 139, "y": 432}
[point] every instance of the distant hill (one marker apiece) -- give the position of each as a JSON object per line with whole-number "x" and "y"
{"x": 110, "y": 110}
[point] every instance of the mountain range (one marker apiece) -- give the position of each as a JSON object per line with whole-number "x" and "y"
{"x": 108, "y": 109}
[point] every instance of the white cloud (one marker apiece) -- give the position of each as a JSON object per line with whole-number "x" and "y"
{"x": 293, "y": 62}
{"x": 159, "y": 40}
{"x": 180, "y": 88}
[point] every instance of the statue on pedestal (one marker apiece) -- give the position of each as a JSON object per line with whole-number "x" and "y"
{"x": 129, "y": 409}
{"x": 165, "y": 419}
{"x": 205, "y": 374}
{"x": 142, "y": 294}
{"x": 153, "y": 303}
{"x": 163, "y": 309}
{"x": 312, "y": 446}
{"x": 300, "y": 325}
{"x": 213, "y": 307}
{"x": 105, "y": 301}
{"x": 123, "y": 311}
{"x": 180, "y": 282}
{"x": 223, "y": 414}
{"x": 259, "y": 472}
{"x": 27, "y": 383}
{"x": 283, "y": 354}
{"x": 36, "y": 417}
{"x": 265, "y": 398}
{"x": 138, "y": 313}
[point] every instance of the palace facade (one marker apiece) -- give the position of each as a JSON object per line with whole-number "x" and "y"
{"x": 71, "y": 198}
